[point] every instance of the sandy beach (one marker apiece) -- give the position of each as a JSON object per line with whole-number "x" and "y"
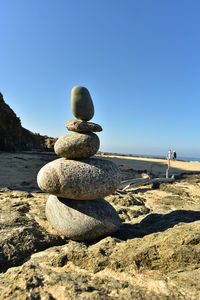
{"x": 153, "y": 165}
{"x": 19, "y": 170}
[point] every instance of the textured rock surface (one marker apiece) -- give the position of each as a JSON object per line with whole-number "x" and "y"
{"x": 82, "y": 126}
{"x": 87, "y": 179}
{"x": 154, "y": 255}
{"x": 21, "y": 231}
{"x": 14, "y": 137}
{"x": 81, "y": 103}
{"x": 82, "y": 220}
{"x": 77, "y": 145}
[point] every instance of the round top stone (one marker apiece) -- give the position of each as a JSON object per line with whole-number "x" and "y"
{"x": 81, "y": 103}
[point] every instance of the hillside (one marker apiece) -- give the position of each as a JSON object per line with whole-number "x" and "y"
{"x": 13, "y": 137}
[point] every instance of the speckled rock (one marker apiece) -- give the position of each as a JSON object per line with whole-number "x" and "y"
{"x": 81, "y": 103}
{"x": 82, "y": 220}
{"x": 82, "y": 126}
{"x": 77, "y": 145}
{"x": 87, "y": 179}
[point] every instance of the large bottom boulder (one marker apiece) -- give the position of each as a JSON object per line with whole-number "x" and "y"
{"x": 82, "y": 220}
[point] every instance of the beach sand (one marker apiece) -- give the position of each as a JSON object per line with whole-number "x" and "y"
{"x": 19, "y": 170}
{"x": 155, "y": 166}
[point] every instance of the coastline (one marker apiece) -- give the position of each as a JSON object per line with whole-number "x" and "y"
{"x": 179, "y": 158}
{"x": 156, "y": 166}
{"x": 19, "y": 169}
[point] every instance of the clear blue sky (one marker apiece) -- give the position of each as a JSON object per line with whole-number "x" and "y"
{"x": 139, "y": 59}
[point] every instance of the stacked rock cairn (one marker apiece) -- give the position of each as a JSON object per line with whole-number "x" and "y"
{"x": 78, "y": 182}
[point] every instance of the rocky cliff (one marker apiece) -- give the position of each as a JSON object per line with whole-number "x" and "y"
{"x": 14, "y": 137}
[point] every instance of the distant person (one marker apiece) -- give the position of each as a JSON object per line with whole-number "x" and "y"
{"x": 169, "y": 154}
{"x": 174, "y": 155}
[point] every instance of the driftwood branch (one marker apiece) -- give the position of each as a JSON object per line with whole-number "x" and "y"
{"x": 127, "y": 184}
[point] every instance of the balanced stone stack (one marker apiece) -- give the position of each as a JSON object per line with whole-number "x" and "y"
{"x": 78, "y": 182}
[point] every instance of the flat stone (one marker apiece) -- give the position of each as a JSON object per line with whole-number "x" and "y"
{"x": 82, "y": 126}
{"x": 82, "y": 220}
{"x": 85, "y": 179}
{"x": 77, "y": 145}
{"x": 81, "y": 103}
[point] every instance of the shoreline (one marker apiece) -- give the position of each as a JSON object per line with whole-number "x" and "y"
{"x": 19, "y": 169}
{"x": 156, "y": 166}
{"x": 182, "y": 158}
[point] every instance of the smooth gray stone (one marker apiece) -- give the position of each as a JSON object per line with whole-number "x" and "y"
{"x": 77, "y": 145}
{"x": 82, "y": 220}
{"x": 81, "y": 103}
{"x": 85, "y": 179}
{"x": 82, "y": 126}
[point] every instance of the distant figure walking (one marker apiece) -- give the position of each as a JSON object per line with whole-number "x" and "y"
{"x": 169, "y": 154}
{"x": 174, "y": 155}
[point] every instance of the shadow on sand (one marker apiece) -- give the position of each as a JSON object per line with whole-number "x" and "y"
{"x": 156, "y": 223}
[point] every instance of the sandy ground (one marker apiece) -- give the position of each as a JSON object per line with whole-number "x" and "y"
{"x": 19, "y": 170}
{"x": 152, "y": 165}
